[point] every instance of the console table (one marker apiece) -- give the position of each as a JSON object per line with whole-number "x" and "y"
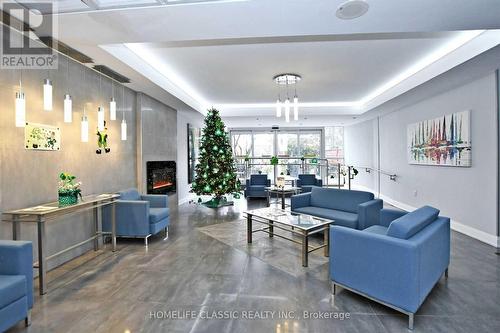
{"x": 51, "y": 211}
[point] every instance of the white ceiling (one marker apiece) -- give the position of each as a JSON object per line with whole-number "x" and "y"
{"x": 228, "y": 51}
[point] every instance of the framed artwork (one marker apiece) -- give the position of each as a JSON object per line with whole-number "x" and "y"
{"x": 194, "y": 135}
{"x": 443, "y": 141}
{"x": 42, "y": 137}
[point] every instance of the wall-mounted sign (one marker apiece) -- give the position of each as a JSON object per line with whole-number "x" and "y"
{"x": 42, "y": 137}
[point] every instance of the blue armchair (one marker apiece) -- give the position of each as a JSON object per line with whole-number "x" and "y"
{"x": 396, "y": 262}
{"x": 307, "y": 182}
{"x": 256, "y": 186}
{"x": 16, "y": 283}
{"x": 353, "y": 209}
{"x": 138, "y": 216}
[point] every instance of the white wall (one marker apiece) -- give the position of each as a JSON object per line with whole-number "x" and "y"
{"x": 467, "y": 195}
{"x": 196, "y": 120}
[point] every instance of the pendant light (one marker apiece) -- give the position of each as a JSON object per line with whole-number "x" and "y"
{"x": 100, "y": 110}
{"x": 295, "y": 106}
{"x": 47, "y": 95}
{"x": 100, "y": 118}
{"x": 84, "y": 130}
{"x": 124, "y": 123}
{"x": 84, "y": 127}
{"x": 20, "y": 106}
{"x": 68, "y": 103}
{"x": 287, "y": 110}
{"x": 278, "y": 107}
{"x": 112, "y": 104}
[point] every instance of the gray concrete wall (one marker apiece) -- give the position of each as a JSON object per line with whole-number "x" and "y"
{"x": 158, "y": 126}
{"x": 30, "y": 177}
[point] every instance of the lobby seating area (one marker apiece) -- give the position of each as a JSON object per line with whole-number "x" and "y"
{"x": 234, "y": 166}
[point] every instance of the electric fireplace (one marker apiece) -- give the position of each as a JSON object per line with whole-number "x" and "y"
{"x": 161, "y": 177}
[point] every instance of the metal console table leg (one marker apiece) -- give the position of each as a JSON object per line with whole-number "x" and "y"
{"x": 249, "y": 228}
{"x": 42, "y": 261}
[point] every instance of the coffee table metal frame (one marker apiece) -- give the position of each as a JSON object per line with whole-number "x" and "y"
{"x": 296, "y": 229}
{"x": 283, "y": 192}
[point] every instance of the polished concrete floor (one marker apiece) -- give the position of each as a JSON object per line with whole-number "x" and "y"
{"x": 136, "y": 288}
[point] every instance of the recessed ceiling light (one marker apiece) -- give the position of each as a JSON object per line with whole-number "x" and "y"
{"x": 352, "y": 9}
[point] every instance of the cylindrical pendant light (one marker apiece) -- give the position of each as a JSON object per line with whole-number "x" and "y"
{"x": 124, "y": 130}
{"x": 295, "y": 108}
{"x": 20, "y": 109}
{"x": 100, "y": 118}
{"x": 278, "y": 107}
{"x": 287, "y": 110}
{"x": 84, "y": 127}
{"x": 47, "y": 95}
{"x": 112, "y": 109}
{"x": 68, "y": 109}
{"x": 124, "y": 123}
{"x": 68, "y": 103}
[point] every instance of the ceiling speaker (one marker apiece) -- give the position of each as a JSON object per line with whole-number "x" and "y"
{"x": 352, "y": 9}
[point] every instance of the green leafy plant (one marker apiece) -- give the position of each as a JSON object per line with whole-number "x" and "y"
{"x": 67, "y": 185}
{"x": 274, "y": 160}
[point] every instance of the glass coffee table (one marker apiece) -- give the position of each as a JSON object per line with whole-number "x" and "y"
{"x": 302, "y": 225}
{"x": 282, "y": 192}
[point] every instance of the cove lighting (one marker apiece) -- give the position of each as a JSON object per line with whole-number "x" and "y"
{"x": 159, "y": 65}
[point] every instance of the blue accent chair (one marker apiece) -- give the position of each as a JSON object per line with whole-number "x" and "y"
{"x": 16, "y": 283}
{"x": 353, "y": 209}
{"x": 395, "y": 262}
{"x": 255, "y": 186}
{"x": 138, "y": 216}
{"x": 307, "y": 182}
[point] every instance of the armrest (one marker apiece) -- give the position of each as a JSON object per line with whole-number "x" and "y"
{"x": 156, "y": 201}
{"x": 389, "y": 215}
{"x": 368, "y": 213}
{"x": 132, "y": 217}
{"x": 300, "y": 200}
{"x": 16, "y": 258}
{"x": 380, "y": 266}
{"x": 319, "y": 182}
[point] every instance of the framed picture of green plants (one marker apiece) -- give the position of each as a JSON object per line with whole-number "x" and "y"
{"x": 42, "y": 137}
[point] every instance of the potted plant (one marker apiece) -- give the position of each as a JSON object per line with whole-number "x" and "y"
{"x": 69, "y": 190}
{"x": 274, "y": 160}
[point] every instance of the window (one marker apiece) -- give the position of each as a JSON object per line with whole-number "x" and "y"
{"x": 242, "y": 144}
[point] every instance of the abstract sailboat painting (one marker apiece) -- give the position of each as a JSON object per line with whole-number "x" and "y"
{"x": 444, "y": 141}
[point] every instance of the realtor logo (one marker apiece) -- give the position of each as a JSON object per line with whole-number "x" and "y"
{"x": 21, "y": 48}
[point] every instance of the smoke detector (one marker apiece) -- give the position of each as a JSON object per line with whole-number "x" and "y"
{"x": 352, "y": 9}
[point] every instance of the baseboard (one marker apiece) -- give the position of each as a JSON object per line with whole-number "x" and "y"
{"x": 186, "y": 199}
{"x": 455, "y": 225}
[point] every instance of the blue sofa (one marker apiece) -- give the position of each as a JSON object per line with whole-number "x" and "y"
{"x": 353, "y": 209}
{"x": 138, "y": 216}
{"x": 396, "y": 262}
{"x": 255, "y": 186}
{"x": 16, "y": 283}
{"x": 307, "y": 182}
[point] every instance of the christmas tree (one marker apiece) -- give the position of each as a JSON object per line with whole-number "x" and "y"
{"x": 215, "y": 171}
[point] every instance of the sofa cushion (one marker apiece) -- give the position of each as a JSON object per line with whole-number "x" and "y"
{"x": 409, "y": 224}
{"x": 130, "y": 194}
{"x": 12, "y": 288}
{"x": 257, "y": 188}
{"x": 307, "y": 188}
{"x": 376, "y": 229}
{"x": 258, "y": 180}
{"x": 341, "y": 218}
{"x": 307, "y": 179}
{"x": 158, "y": 214}
{"x": 345, "y": 200}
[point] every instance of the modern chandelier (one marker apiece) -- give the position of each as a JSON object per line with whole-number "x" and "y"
{"x": 284, "y": 82}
